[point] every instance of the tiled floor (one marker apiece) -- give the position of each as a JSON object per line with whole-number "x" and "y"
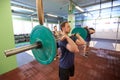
{"x": 101, "y": 64}
{"x": 111, "y": 45}
{"x": 24, "y": 58}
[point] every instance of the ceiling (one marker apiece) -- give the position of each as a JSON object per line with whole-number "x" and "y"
{"x": 56, "y": 7}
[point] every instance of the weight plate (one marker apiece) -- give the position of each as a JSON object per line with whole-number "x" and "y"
{"x": 81, "y": 31}
{"x": 47, "y": 52}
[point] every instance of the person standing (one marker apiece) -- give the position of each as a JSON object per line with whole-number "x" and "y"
{"x": 68, "y": 46}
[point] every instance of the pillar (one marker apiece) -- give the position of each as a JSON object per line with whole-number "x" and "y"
{"x": 6, "y": 37}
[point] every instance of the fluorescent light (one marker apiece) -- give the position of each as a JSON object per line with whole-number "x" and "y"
{"x": 16, "y": 16}
{"x": 77, "y": 7}
{"x": 85, "y": 14}
{"x": 52, "y": 15}
{"x": 20, "y": 8}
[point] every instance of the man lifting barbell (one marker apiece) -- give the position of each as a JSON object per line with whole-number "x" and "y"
{"x": 68, "y": 46}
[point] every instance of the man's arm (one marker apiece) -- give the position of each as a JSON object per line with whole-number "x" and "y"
{"x": 71, "y": 45}
{"x": 80, "y": 40}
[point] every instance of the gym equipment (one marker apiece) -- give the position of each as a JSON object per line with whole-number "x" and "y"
{"x": 81, "y": 31}
{"x": 42, "y": 43}
{"x": 47, "y": 52}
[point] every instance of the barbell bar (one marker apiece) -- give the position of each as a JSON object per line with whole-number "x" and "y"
{"x": 14, "y": 51}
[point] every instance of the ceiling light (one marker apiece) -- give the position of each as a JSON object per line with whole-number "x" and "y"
{"x": 20, "y": 8}
{"x": 85, "y": 14}
{"x": 16, "y": 16}
{"x": 51, "y": 15}
{"x": 80, "y": 9}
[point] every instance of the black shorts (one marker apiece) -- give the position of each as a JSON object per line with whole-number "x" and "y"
{"x": 64, "y": 74}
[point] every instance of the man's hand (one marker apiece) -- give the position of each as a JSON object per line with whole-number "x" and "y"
{"x": 80, "y": 40}
{"x": 63, "y": 37}
{"x": 77, "y": 35}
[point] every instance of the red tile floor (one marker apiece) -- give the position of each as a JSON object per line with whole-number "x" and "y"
{"x": 101, "y": 64}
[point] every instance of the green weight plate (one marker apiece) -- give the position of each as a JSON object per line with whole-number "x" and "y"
{"x": 47, "y": 52}
{"x": 81, "y": 31}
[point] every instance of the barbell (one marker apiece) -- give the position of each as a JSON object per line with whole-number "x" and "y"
{"x": 42, "y": 40}
{"x": 42, "y": 43}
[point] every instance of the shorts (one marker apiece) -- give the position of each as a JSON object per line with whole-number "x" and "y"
{"x": 64, "y": 74}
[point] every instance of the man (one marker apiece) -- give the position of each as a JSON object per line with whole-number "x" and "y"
{"x": 68, "y": 46}
{"x": 55, "y": 32}
{"x": 88, "y": 39}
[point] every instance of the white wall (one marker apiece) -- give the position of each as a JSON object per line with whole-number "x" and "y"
{"x": 21, "y": 26}
{"x": 105, "y": 28}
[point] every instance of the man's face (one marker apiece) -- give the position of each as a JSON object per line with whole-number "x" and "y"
{"x": 67, "y": 28}
{"x": 55, "y": 28}
{"x": 91, "y": 31}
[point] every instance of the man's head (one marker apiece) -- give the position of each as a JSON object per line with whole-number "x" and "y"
{"x": 91, "y": 30}
{"x": 86, "y": 27}
{"x": 65, "y": 27}
{"x": 55, "y": 28}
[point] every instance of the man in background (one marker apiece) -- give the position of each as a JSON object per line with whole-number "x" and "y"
{"x": 88, "y": 39}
